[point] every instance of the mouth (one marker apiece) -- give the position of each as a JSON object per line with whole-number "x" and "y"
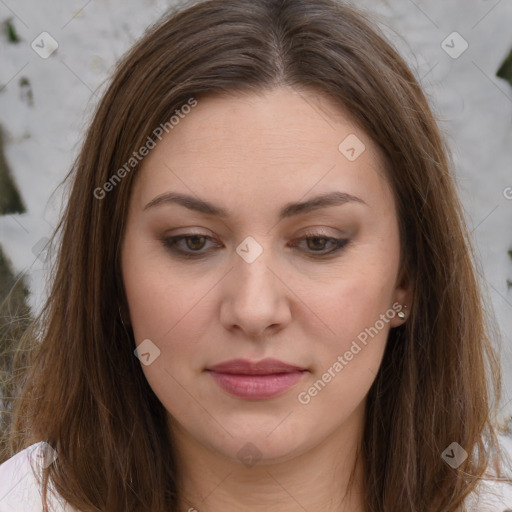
{"x": 256, "y": 380}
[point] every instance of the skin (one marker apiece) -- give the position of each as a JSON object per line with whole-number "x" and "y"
{"x": 252, "y": 154}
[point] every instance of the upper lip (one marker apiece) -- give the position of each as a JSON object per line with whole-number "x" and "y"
{"x": 264, "y": 367}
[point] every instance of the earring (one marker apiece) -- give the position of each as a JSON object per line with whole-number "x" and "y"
{"x": 401, "y": 314}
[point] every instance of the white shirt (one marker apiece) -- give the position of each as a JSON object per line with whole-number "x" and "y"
{"x": 20, "y": 490}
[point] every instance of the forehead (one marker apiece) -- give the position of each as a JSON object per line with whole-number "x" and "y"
{"x": 272, "y": 123}
{"x": 274, "y": 146}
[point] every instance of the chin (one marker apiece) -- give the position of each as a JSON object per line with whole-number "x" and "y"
{"x": 269, "y": 446}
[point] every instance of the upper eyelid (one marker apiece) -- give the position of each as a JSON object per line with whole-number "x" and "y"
{"x": 339, "y": 242}
{"x": 309, "y": 231}
{"x": 307, "y": 234}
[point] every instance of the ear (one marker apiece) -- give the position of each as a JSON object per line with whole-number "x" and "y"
{"x": 402, "y": 298}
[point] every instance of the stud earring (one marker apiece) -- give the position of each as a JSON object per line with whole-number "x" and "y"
{"x": 401, "y": 314}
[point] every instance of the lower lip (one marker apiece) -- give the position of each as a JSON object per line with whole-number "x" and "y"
{"x": 256, "y": 387}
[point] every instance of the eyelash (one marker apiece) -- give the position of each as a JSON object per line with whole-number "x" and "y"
{"x": 171, "y": 244}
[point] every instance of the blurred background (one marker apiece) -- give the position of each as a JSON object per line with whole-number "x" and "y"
{"x": 56, "y": 58}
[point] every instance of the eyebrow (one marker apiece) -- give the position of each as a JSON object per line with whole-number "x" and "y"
{"x": 288, "y": 210}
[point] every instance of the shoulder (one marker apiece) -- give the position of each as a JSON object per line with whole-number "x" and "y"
{"x": 494, "y": 496}
{"x": 20, "y": 488}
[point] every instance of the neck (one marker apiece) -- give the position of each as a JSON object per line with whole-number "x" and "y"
{"x": 327, "y": 477}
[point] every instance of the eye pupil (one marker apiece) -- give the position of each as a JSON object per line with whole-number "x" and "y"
{"x": 195, "y": 238}
{"x": 314, "y": 245}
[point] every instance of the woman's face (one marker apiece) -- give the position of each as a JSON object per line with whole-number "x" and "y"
{"x": 261, "y": 173}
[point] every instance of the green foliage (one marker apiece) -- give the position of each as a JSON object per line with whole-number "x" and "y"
{"x": 26, "y": 91}
{"x": 14, "y": 311}
{"x": 15, "y": 317}
{"x": 10, "y": 199}
{"x": 12, "y": 36}
{"x": 505, "y": 70}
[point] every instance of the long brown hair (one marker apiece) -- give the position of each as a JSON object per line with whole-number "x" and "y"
{"x": 84, "y": 392}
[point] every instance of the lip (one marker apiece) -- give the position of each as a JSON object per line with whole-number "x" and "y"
{"x": 256, "y": 380}
{"x": 264, "y": 367}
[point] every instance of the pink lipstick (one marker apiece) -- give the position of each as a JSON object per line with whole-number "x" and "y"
{"x": 256, "y": 380}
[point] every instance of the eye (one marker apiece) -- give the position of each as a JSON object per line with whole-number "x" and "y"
{"x": 317, "y": 244}
{"x": 193, "y": 242}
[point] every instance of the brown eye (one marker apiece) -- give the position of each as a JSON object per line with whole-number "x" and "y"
{"x": 193, "y": 247}
{"x": 318, "y": 243}
{"x": 197, "y": 242}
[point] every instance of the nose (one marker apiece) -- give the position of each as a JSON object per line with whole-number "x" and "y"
{"x": 256, "y": 298}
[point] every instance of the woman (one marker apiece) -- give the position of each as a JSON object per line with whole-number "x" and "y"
{"x": 264, "y": 297}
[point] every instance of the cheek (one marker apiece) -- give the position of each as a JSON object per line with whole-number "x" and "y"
{"x": 170, "y": 308}
{"x": 161, "y": 299}
{"x": 356, "y": 297}
{"x": 359, "y": 324}
{"x": 357, "y": 309}
{"x": 159, "y": 308}
{"x": 348, "y": 359}
{"x": 166, "y": 309}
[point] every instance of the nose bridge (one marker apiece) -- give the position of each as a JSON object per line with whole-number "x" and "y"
{"x": 252, "y": 273}
{"x": 254, "y": 298}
